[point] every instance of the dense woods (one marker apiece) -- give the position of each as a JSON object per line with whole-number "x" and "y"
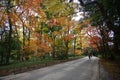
{"x": 47, "y": 28}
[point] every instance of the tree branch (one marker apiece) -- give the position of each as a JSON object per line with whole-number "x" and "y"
{"x": 103, "y": 12}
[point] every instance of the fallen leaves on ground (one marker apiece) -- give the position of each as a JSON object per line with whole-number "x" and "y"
{"x": 112, "y": 67}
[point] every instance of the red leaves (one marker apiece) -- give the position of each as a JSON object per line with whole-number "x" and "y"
{"x": 94, "y": 36}
{"x": 68, "y": 37}
{"x": 54, "y": 22}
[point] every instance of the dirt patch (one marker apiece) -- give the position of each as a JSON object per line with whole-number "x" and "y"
{"x": 112, "y": 67}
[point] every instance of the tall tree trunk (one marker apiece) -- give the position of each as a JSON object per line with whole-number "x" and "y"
{"x": 67, "y": 49}
{"x": 29, "y": 37}
{"x": 23, "y": 34}
{"x": 80, "y": 41}
{"x": 117, "y": 43}
{"x": 53, "y": 53}
{"x": 104, "y": 45}
{"x": 18, "y": 53}
{"x": 74, "y": 44}
{"x": 10, "y": 32}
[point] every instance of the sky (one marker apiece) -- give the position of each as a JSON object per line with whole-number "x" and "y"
{"x": 78, "y": 15}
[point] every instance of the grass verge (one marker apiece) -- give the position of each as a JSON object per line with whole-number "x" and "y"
{"x": 18, "y": 67}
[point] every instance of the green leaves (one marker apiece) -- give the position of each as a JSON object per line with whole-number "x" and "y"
{"x": 48, "y": 14}
{"x": 55, "y": 8}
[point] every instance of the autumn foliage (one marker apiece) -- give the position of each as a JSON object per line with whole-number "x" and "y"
{"x": 36, "y": 28}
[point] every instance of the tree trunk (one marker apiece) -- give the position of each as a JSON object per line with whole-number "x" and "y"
{"x": 53, "y": 52}
{"x": 117, "y": 43}
{"x": 67, "y": 49}
{"x": 23, "y": 34}
{"x": 10, "y": 32}
{"x": 74, "y": 44}
{"x": 29, "y": 38}
{"x": 19, "y": 52}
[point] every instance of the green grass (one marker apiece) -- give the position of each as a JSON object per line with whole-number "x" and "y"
{"x": 31, "y": 62}
{"x": 25, "y": 64}
{"x": 74, "y": 57}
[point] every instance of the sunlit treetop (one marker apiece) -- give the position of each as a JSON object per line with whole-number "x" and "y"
{"x": 56, "y": 8}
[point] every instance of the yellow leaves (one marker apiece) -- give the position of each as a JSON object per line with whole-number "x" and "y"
{"x": 78, "y": 28}
{"x": 55, "y": 33}
{"x": 78, "y": 52}
{"x": 52, "y": 5}
{"x": 62, "y": 20}
{"x": 42, "y": 15}
{"x": 70, "y": 23}
{"x": 57, "y": 8}
{"x": 85, "y": 23}
{"x": 2, "y": 19}
{"x": 17, "y": 1}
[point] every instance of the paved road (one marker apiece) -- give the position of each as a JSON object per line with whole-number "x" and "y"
{"x": 81, "y": 69}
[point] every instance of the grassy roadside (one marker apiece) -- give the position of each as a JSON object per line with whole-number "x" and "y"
{"x": 18, "y": 67}
{"x": 112, "y": 67}
{"x": 18, "y": 64}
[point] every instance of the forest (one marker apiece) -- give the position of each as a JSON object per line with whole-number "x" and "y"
{"x": 48, "y": 29}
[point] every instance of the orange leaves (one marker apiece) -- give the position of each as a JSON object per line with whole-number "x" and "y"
{"x": 95, "y": 40}
{"x": 53, "y": 22}
{"x": 44, "y": 48}
{"x": 28, "y": 50}
{"x": 17, "y": 1}
{"x": 61, "y": 21}
{"x": 36, "y": 35}
{"x": 47, "y": 39}
{"x": 36, "y": 3}
{"x": 58, "y": 21}
{"x": 68, "y": 37}
{"x": 70, "y": 23}
{"x": 94, "y": 36}
{"x": 42, "y": 43}
{"x": 37, "y": 47}
{"x": 13, "y": 17}
{"x": 78, "y": 52}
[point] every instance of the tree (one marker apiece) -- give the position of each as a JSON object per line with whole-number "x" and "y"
{"x": 108, "y": 16}
{"x": 94, "y": 37}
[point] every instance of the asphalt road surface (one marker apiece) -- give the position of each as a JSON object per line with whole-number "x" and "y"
{"x": 81, "y": 69}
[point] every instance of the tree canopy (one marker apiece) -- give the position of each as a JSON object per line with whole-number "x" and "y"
{"x": 36, "y": 28}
